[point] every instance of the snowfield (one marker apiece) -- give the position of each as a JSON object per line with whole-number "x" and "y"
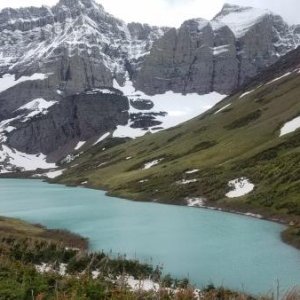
{"x": 27, "y": 162}
{"x": 8, "y": 80}
{"x": 240, "y": 187}
{"x": 240, "y": 21}
{"x": 36, "y": 107}
{"x": 179, "y": 108}
{"x": 290, "y": 126}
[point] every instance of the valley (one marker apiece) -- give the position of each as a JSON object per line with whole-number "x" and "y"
{"x": 157, "y": 146}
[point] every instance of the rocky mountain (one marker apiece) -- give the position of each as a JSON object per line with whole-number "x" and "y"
{"x": 72, "y": 75}
{"x": 76, "y": 41}
{"x": 219, "y": 55}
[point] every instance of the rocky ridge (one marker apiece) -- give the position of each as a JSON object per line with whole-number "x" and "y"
{"x": 219, "y": 55}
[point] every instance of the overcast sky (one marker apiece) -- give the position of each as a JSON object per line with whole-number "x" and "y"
{"x": 174, "y": 12}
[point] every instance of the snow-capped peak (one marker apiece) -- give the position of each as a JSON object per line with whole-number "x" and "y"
{"x": 79, "y": 3}
{"x": 240, "y": 19}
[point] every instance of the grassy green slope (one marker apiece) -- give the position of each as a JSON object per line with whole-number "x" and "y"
{"x": 241, "y": 140}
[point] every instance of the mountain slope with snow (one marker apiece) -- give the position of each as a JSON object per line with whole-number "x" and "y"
{"x": 73, "y": 73}
{"x": 242, "y": 154}
{"x": 219, "y": 55}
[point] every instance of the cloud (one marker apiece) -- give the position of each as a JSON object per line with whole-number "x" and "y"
{"x": 162, "y": 12}
{"x": 174, "y": 12}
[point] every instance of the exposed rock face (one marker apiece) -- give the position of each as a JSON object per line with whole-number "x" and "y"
{"x": 76, "y": 41}
{"x": 142, "y": 104}
{"x": 78, "y": 117}
{"x": 220, "y": 55}
{"x": 79, "y": 48}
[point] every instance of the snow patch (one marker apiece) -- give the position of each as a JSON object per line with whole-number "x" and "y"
{"x": 290, "y": 126}
{"x": 221, "y": 49}
{"x": 8, "y": 80}
{"x": 103, "y": 91}
{"x": 240, "y": 187}
{"x": 246, "y": 93}
{"x": 192, "y": 171}
{"x": 253, "y": 215}
{"x": 127, "y": 131}
{"x": 279, "y": 78}
{"x": 178, "y": 108}
{"x": 184, "y": 181}
{"x": 140, "y": 285}
{"x": 144, "y": 180}
{"x": 54, "y": 174}
{"x": 195, "y": 202}
{"x": 240, "y": 20}
{"x": 102, "y": 138}
{"x": 11, "y": 158}
{"x": 151, "y": 164}
{"x": 36, "y": 107}
{"x": 223, "y": 108}
{"x": 79, "y": 145}
{"x": 95, "y": 274}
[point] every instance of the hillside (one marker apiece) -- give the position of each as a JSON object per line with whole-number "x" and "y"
{"x": 245, "y": 137}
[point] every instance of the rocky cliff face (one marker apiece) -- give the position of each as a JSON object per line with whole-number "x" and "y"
{"x": 76, "y": 41}
{"x": 58, "y": 67}
{"x": 219, "y": 55}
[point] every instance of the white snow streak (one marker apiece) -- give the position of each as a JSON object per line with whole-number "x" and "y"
{"x": 223, "y": 108}
{"x": 278, "y": 78}
{"x": 102, "y": 138}
{"x": 79, "y": 145}
{"x": 151, "y": 164}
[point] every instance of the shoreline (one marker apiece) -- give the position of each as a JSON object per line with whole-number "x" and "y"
{"x": 285, "y": 235}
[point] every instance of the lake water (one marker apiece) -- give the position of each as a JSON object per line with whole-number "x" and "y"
{"x": 206, "y": 246}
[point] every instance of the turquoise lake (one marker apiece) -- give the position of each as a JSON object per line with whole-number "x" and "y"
{"x": 207, "y": 246}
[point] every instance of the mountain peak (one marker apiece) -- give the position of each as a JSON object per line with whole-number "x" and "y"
{"x": 240, "y": 18}
{"x": 233, "y": 8}
{"x": 79, "y": 3}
